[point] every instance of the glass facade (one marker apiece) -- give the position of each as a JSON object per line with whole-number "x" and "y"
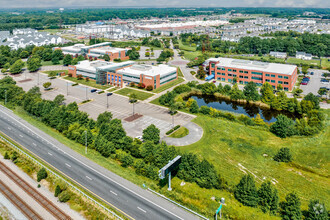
{"x": 256, "y": 73}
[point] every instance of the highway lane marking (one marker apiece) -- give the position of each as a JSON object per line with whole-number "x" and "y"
{"x": 69, "y": 165}
{"x": 98, "y": 171}
{"x": 9, "y": 128}
{"x": 34, "y": 144}
{"x": 88, "y": 178}
{"x": 21, "y": 135}
{"x": 50, "y": 154}
{"x": 142, "y": 210}
{"x": 113, "y": 193}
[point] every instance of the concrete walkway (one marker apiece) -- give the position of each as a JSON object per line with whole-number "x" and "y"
{"x": 195, "y": 134}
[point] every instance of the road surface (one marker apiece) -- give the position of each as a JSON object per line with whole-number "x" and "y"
{"x": 131, "y": 200}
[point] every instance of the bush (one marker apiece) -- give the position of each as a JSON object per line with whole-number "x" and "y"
{"x": 64, "y": 196}
{"x": 149, "y": 88}
{"x": 6, "y": 157}
{"x": 14, "y": 156}
{"x": 283, "y": 155}
{"x": 141, "y": 85}
{"x": 246, "y": 191}
{"x": 192, "y": 72}
{"x": 283, "y": 127}
{"x": 70, "y": 74}
{"x": 57, "y": 190}
{"x": 132, "y": 84}
{"x": 42, "y": 174}
{"x": 87, "y": 79}
{"x": 79, "y": 76}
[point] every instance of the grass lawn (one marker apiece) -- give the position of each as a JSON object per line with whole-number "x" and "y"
{"x": 156, "y": 102}
{"x": 189, "y": 55}
{"x": 140, "y": 95}
{"x": 57, "y": 71}
{"x": 169, "y": 85}
{"x": 181, "y": 132}
{"x": 180, "y": 72}
{"x": 299, "y": 61}
{"x": 49, "y": 63}
{"x": 235, "y": 149}
{"x": 186, "y": 47}
{"x": 90, "y": 83}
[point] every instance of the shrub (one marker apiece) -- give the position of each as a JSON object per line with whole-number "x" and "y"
{"x": 283, "y": 127}
{"x": 246, "y": 191}
{"x": 283, "y": 155}
{"x": 204, "y": 110}
{"x": 64, "y": 196}
{"x": 149, "y": 88}
{"x": 6, "y": 157}
{"x": 87, "y": 79}
{"x": 79, "y": 77}
{"x": 70, "y": 74}
{"x": 57, "y": 190}
{"x": 14, "y": 156}
{"x": 42, "y": 174}
{"x": 192, "y": 72}
{"x": 141, "y": 85}
{"x": 75, "y": 84}
{"x": 132, "y": 84}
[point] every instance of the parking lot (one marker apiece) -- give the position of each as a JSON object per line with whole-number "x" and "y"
{"x": 315, "y": 82}
{"x": 119, "y": 105}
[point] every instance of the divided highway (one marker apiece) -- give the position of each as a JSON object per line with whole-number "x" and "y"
{"x": 129, "y": 199}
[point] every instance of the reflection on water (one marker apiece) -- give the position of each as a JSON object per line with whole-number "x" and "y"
{"x": 269, "y": 115}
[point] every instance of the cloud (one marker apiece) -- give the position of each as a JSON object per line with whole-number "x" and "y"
{"x": 163, "y": 3}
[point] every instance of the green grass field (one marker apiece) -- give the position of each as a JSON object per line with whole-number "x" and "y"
{"x": 186, "y": 47}
{"x": 180, "y": 72}
{"x": 90, "y": 83}
{"x": 49, "y": 63}
{"x": 57, "y": 71}
{"x": 140, "y": 95}
{"x": 168, "y": 85}
{"x": 236, "y": 149}
{"x": 325, "y": 63}
{"x": 181, "y": 132}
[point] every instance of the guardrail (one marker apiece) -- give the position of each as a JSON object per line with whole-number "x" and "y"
{"x": 58, "y": 176}
{"x": 195, "y": 213}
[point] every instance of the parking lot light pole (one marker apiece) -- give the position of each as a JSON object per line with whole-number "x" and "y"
{"x": 86, "y": 94}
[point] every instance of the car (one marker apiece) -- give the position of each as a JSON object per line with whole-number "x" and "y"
{"x": 109, "y": 93}
{"x": 139, "y": 137}
{"x": 93, "y": 90}
{"x": 306, "y": 78}
{"x": 304, "y": 83}
{"x": 312, "y": 73}
{"x": 214, "y": 81}
{"x": 99, "y": 90}
{"x": 327, "y": 88}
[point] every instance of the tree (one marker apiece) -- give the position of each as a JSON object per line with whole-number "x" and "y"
{"x": 55, "y": 61}
{"x": 201, "y": 72}
{"x": 290, "y": 208}
{"x": 322, "y": 91}
{"x": 246, "y": 191}
{"x": 151, "y": 133}
{"x": 64, "y": 196}
{"x": 6, "y": 157}
{"x": 283, "y": 127}
{"x": 194, "y": 107}
{"x": 104, "y": 117}
{"x": 33, "y": 64}
{"x": 16, "y": 67}
{"x": 58, "y": 54}
{"x": 42, "y": 174}
{"x": 268, "y": 198}
{"x": 279, "y": 87}
{"x": 24, "y": 54}
{"x": 283, "y": 155}
{"x": 250, "y": 92}
{"x": 236, "y": 93}
{"x": 106, "y": 57}
{"x": 297, "y": 92}
{"x": 67, "y": 60}
{"x": 46, "y": 85}
{"x": 316, "y": 211}
{"x": 314, "y": 99}
{"x": 133, "y": 99}
{"x": 267, "y": 95}
{"x": 57, "y": 190}
{"x": 59, "y": 99}
{"x": 79, "y": 77}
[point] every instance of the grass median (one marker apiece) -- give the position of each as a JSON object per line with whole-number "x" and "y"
{"x": 90, "y": 83}
{"x": 140, "y": 95}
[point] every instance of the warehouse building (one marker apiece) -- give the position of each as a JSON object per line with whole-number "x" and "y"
{"x": 227, "y": 69}
{"x": 96, "y": 51}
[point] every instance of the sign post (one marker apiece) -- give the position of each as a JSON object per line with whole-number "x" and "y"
{"x": 168, "y": 168}
{"x": 222, "y": 201}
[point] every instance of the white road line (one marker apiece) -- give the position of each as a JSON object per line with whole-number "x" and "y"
{"x": 9, "y": 128}
{"x": 50, "y": 154}
{"x": 88, "y": 178}
{"x": 21, "y": 135}
{"x": 69, "y": 165}
{"x": 142, "y": 210}
{"x": 34, "y": 144}
{"x": 89, "y": 167}
{"x": 113, "y": 193}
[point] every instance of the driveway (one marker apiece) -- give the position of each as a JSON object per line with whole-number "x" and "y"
{"x": 315, "y": 82}
{"x": 195, "y": 134}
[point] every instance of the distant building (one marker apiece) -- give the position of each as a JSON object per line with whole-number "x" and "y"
{"x": 226, "y": 69}
{"x": 278, "y": 54}
{"x": 303, "y": 55}
{"x": 96, "y": 51}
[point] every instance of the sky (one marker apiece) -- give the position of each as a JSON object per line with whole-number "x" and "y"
{"x": 163, "y": 3}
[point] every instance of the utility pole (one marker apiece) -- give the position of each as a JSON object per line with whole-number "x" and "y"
{"x": 86, "y": 94}
{"x": 67, "y": 88}
{"x": 85, "y": 141}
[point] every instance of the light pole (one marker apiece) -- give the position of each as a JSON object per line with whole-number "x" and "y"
{"x": 86, "y": 94}
{"x": 67, "y": 88}
{"x": 85, "y": 141}
{"x": 108, "y": 94}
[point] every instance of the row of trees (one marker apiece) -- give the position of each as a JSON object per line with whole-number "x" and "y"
{"x": 107, "y": 136}
{"x": 267, "y": 199}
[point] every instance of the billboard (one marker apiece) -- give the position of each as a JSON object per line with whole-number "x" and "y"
{"x": 169, "y": 167}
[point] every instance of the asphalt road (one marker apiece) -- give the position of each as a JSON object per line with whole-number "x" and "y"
{"x": 133, "y": 201}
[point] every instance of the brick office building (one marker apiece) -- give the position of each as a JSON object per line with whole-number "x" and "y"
{"x": 226, "y": 69}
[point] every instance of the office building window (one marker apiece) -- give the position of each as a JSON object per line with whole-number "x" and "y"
{"x": 223, "y": 79}
{"x": 111, "y": 78}
{"x": 234, "y": 71}
{"x": 234, "y": 75}
{"x": 256, "y": 78}
{"x": 213, "y": 65}
{"x": 223, "y": 68}
{"x": 115, "y": 78}
{"x": 241, "y": 77}
{"x": 240, "y": 82}
{"x": 223, "y": 74}
{"x": 273, "y": 76}
{"x": 119, "y": 79}
{"x": 230, "y": 70}
{"x": 246, "y": 82}
{"x": 267, "y": 74}
{"x": 267, "y": 80}
{"x": 218, "y": 78}
{"x": 279, "y": 76}
{"x": 256, "y": 73}
{"x": 246, "y": 72}
{"x": 229, "y": 80}
{"x": 273, "y": 81}
{"x": 286, "y": 83}
{"x": 286, "y": 89}
{"x": 286, "y": 77}
{"x": 219, "y": 68}
{"x": 241, "y": 71}
{"x": 280, "y": 82}
{"x": 230, "y": 74}
{"x": 246, "y": 77}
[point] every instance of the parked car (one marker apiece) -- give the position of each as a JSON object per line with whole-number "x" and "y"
{"x": 327, "y": 88}
{"x": 312, "y": 73}
{"x": 109, "y": 93}
{"x": 93, "y": 90}
{"x": 304, "y": 83}
{"x": 306, "y": 78}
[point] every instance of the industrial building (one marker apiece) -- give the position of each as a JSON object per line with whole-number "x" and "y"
{"x": 96, "y": 51}
{"x": 123, "y": 73}
{"x": 227, "y": 69}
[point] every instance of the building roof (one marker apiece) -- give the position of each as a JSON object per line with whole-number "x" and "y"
{"x": 285, "y": 69}
{"x": 148, "y": 70}
{"x": 277, "y": 53}
{"x": 92, "y": 66}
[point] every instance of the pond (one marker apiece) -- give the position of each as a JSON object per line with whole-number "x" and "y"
{"x": 268, "y": 115}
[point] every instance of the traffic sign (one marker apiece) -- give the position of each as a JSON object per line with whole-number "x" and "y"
{"x": 218, "y": 210}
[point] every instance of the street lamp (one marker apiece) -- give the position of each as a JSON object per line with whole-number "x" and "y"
{"x": 67, "y": 88}
{"x": 86, "y": 93}
{"x": 108, "y": 94}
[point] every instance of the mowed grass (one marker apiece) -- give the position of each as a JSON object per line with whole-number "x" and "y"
{"x": 50, "y": 63}
{"x": 90, "y": 83}
{"x": 57, "y": 71}
{"x": 169, "y": 85}
{"x": 139, "y": 94}
{"x": 236, "y": 149}
{"x": 186, "y": 47}
{"x": 181, "y": 132}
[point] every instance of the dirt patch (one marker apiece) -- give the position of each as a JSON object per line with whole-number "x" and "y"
{"x": 24, "y": 80}
{"x": 133, "y": 117}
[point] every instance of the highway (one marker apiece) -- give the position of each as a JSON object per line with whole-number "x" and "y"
{"x": 128, "y": 198}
